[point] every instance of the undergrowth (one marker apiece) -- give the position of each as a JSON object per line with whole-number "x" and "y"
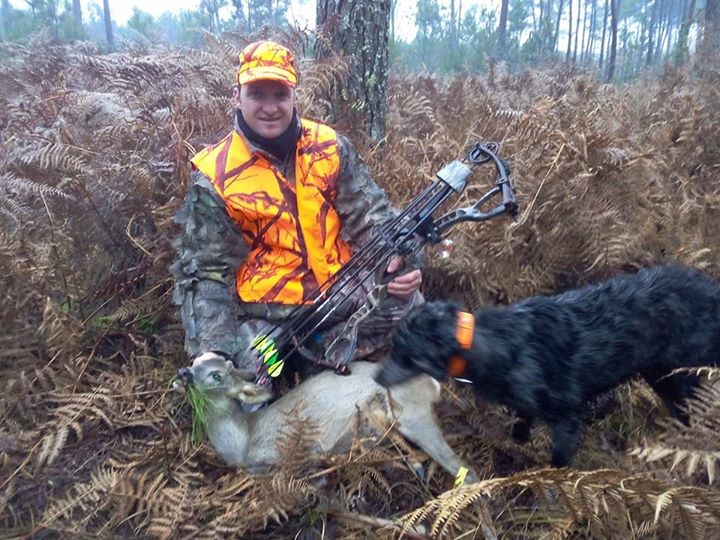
{"x": 94, "y": 163}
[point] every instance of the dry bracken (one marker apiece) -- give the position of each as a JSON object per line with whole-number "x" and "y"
{"x": 94, "y": 163}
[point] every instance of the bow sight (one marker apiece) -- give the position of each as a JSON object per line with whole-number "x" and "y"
{"x": 406, "y": 234}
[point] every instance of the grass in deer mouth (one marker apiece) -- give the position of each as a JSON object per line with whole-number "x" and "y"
{"x": 199, "y": 403}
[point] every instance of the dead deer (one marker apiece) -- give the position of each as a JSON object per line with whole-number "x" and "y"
{"x": 330, "y": 401}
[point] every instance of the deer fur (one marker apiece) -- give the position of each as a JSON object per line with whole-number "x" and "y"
{"x": 332, "y": 402}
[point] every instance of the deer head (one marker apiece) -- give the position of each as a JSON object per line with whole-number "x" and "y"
{"x": 218, "y": 378}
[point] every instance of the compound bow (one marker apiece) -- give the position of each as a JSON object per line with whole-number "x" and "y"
{"x": 405, "y": 235}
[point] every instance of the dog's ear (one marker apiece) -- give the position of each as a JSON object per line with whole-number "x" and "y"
{"x": 426, "y": 339}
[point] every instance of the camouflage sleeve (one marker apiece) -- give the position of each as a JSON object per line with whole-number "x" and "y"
{"x": 359, "y": 202}
{"x": 209, "y": 250}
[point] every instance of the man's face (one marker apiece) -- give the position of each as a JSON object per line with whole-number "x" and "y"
{"x": 267, "y": 107}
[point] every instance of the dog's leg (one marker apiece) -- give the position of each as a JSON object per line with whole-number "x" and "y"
{"x": 673, "y": 390}
{"x": 521, "y": 428}
{"x": 565, "y": 440}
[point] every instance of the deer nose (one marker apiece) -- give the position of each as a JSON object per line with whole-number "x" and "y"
{"x": 186, "y": 375}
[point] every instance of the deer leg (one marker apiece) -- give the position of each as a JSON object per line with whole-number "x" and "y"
{"x": 424, "y": 431}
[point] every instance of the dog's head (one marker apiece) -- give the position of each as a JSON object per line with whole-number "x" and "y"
{"x": 423, "y": 343}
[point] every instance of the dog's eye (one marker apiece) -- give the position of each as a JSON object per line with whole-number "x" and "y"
{"x": 216, "y": 376}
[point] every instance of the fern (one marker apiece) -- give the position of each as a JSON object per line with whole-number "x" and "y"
{"x": 595, "y": 499}
{"x": 95, "y": 160}
{"x": 298, "y": 439}
{"x": 689, "y": 449}
{"x": 86, "y": 498}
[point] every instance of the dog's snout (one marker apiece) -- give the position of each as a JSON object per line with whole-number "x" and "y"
{"x": 186, "y": 375}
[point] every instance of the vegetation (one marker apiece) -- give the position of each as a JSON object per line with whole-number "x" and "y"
{"x": 94, "y": 163}
{"x": 445, "y": 36}
{"x": 93, "y": 166}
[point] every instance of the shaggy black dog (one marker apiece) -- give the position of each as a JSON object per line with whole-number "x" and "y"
{"x": 547, "y": 357}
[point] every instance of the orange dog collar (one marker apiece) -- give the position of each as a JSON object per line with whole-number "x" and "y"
{"x": 464, "y": 335}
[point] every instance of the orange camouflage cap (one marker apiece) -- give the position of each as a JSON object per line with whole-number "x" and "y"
{"x": 267, "y": 61}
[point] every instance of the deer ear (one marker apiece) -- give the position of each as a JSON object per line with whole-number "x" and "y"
{"x": 246, "y": 374}
{"x": 250, "y": 393}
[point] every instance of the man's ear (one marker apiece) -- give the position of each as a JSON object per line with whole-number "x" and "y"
{"x": 236, "y": 95}
{"x": 250, "y": 393}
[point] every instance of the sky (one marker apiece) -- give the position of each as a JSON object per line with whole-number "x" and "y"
{"x": 303, "y": 14}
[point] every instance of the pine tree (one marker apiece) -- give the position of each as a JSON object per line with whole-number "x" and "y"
{"x": 108, "y": 25}
{"x": 359, "y": 30}
{"x": 614, "y": 17}
{"x": 78, "y": 30}
{"x": 502, "y": 29}
{"x": 711, "y": 33}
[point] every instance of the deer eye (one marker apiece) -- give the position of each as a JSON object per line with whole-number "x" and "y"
{"x": 216, "y": 376}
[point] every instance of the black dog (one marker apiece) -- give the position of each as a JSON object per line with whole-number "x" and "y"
{"x": 547, "y": 357}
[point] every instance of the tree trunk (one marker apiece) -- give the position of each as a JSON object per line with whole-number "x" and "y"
{"x": 570, "y": 23}
{"x": 590, "y": 43}
{"x": 681, "y": 50}
{"x": 668, "y": 32}
{"x": 77, "y": 20}
{"x": 502, "y": 29}
{"x": 108, "y": 25}
{"x": 542, "y": 29}
{"x": 614, "y": 16}
{"x": 604, "y": 34}
{"x": 711, "y": 34}
{"x": 534, "y": 19}
{"x": 557, "y": 26}
{"x": 5, "y": 14}
{"x": 651, "y": 34}
{"x": 359, "y": 30}
{"x": 52, "y": 19}
{"x": 451, "y": 30}
{"x": 459, "y": 20}
{"x": 577, "y": 33}
{"x": 584, "y": 32}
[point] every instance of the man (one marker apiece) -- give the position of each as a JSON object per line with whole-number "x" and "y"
{"x": 274, "y": 210}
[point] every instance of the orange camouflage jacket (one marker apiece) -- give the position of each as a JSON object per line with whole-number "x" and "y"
{"x": 219, "y": 249}
{"x": 291, "y": 228}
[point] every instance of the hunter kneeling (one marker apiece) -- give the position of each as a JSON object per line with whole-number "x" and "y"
{"x": 274, "y": 211}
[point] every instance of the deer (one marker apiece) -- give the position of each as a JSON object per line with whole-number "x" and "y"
{"x": 331, "y": 401}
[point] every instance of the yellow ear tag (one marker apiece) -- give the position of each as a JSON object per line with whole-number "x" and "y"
{"x": 460, "y": 476}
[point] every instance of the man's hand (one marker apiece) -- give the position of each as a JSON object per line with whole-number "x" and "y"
{"x": 404, "y": 285}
